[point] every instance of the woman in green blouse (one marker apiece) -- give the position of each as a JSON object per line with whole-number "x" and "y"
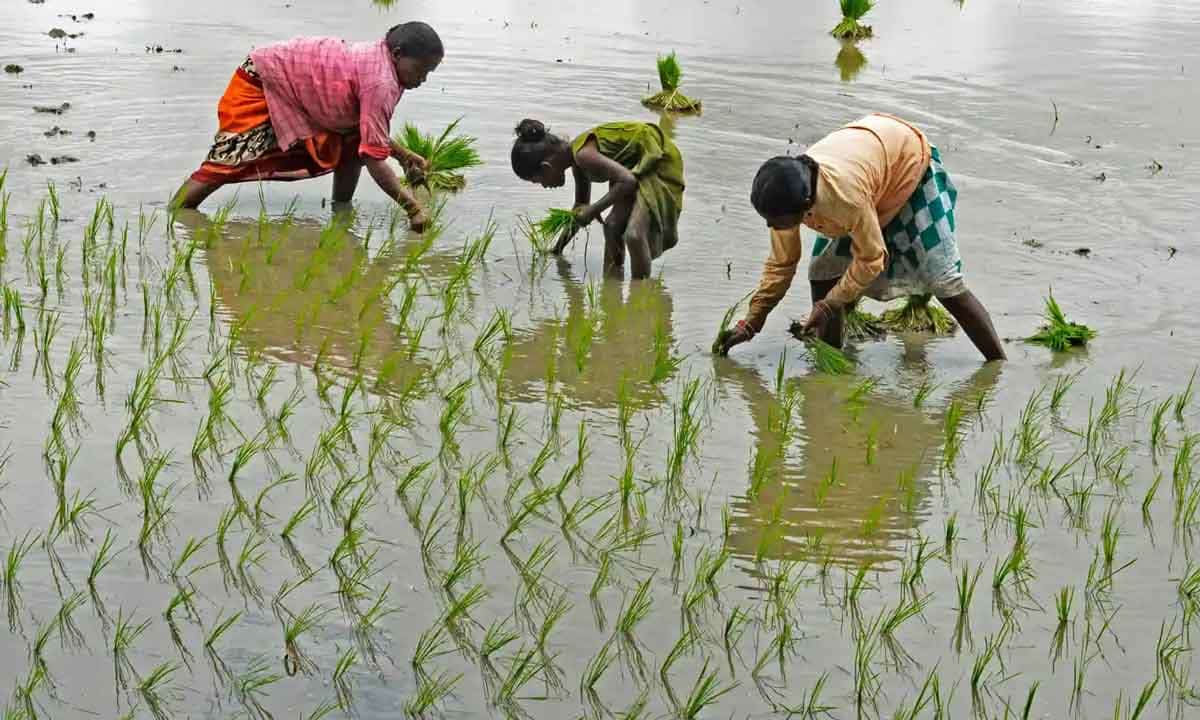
{"x": 644, "y": 172}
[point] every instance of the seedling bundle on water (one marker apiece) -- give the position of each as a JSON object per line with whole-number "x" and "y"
{"x": 446, "y": 155}
{"x": 558, "y": 227}
{"x": 850, "y": 28}
{"x": 919, "y": 314}
{"x": 1060, "y": 334}
{"x": 726, "y": 321}
{"x": 670, "y": 99}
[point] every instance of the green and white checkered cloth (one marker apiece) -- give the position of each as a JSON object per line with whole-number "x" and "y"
{"x": 923, "y": 256}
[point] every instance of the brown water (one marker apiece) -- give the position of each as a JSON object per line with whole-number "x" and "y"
{"x": 312, "y": 318}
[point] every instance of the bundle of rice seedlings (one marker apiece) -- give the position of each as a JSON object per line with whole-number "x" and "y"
{"x": 825, "y": 357}
{"x": 919, "y": 314}
{"x": 669, "y": 74}
{"x": 559, "y": 224}
{"x": 850, "y": 28}
{"x": 1060, "y": 334}
{"x": 862, "y": 325}
{"x": 446, "y": 155}
{"x": 727, "y": 321}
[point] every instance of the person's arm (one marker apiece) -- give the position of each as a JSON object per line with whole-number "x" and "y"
{"x": 376, "y": 105}
{"x": 868, "y": 261}
{"x": 389, "y": 183}
{"x": 621, "y": 182}
{"x": 583, "y": 188}
{"x": 778, "y": 271}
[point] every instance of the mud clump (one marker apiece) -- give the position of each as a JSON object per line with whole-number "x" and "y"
{"x": 56, "y": 131}
{"x": 159, "y": 49}
{"x": 36, "y": 159}
{"x": 59, "y": 34}
{"x": 13, "y": 69}
{"x": 51, "y": 109}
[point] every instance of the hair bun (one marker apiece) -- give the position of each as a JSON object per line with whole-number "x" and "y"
{"x": 531, "y": 130}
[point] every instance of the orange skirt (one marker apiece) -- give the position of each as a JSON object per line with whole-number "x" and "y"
{"x": 246, "y": 150}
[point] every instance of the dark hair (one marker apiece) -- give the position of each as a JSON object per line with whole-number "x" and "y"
{"x": 533, "y": 145}
{"x": 784, "y": 186}
{"x": 415, "y": 40}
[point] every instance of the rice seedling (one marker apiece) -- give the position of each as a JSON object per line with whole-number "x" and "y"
{"x": 467, "y": 560}
{"x": 498, "y": 636}
{"x": 252, "y": 686}
{"x": 431, "y": 691}
{"x": 852, "y": 12}
{"x": 68, "y": 632}
{"x": 826, "y": 358}
{"x": 811, "y": 706}
{"x": 727, "y": 321}
{"x": 432, "y": 643}
{"x": 525, "y": 666}
{"x": 296, "y": 626}
{"x": 341, "y": 683}
{"x": 919, "y": 313}
{"x": 12, "y": 568}
{"x": 446, "y": 155}
{"x": 125, "y": 634}
{"x": 669, "y": 98}
{"x": 154, "y": 691}
{"x": 1060, "y": 334}
{"x": 461, "y": 607}
{"x": 664, "y": 363}
{"x": 965, "y": 587}
{"x": 952, "y": 435}
{"x": 635, "y": 609}
{"x": 1184, "y": 399}
{"x": 705, "y": 692}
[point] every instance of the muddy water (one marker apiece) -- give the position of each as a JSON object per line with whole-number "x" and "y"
{"x": 294, "y": 314}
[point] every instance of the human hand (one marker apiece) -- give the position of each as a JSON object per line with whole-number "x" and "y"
{"x": 416, "y": 171}
{"x": 736, "y": 335}
{"x": 818, "y": 318}
{"x": 418, "y": 219}
{"x": 586, "y": 214}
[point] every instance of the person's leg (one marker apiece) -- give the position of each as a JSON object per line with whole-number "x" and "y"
{"x": 614, "y": 235}
{"x": 975, "y": 320}
{"x": 345, "y": 178}
{"x": 834, "y": 328}
{"x": 637, "y": 241}
{"x": 192, "y": 193}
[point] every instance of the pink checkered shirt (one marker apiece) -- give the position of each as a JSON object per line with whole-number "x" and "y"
{"x": 318, "y": 84}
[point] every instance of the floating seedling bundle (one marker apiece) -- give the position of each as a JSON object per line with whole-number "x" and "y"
{"x": 558, "y": 227}
{"x": 1060, "y": 334}
{"x": 446, "y": 155}
{"x": 850, "y": 28}
{"x": 670, "y": 99}
{"x": 919, "y": 314}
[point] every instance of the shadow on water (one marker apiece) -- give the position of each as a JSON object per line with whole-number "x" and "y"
{"x": 624, "y": 327}
{"x": 850, "y": 61}
{"x": 317, "y": 296}
{"x": 841, "y": 478}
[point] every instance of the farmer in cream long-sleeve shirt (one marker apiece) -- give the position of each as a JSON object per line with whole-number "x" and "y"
{"x": 882, "y": 204}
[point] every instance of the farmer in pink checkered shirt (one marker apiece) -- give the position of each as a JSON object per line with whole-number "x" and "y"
{"x": 313, "y": 106}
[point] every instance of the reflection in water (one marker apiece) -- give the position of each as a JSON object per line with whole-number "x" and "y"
{"x": 313, "y": 295}
{"x": 850, "y": 61}
{"x": 610, "y": 339}
{"x": 856, "y": 489}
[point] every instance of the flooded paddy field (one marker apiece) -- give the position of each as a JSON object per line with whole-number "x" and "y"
{"x": 263, "y": 462}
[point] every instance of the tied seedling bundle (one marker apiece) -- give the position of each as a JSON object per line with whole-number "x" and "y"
{"x": 919, "y": 314}
{"x": 850, "y": 28}
{"x": 862, "y": 325}
{"x": 446, "y": 155}
{"x": 824, "y": 357}
{"x": 727, "y": 321}
{"x": 552, "y": 233}
{"x": 670, "y": 99}
{"x": 1060, "y": 334}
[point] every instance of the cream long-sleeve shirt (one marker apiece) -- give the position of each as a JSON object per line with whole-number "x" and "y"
{"x": 867, "y": 171}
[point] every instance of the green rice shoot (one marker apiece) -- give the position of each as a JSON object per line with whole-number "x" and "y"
{"x": 446, "y": 155}
{"x": 726, "y": 321}
{"x": 669, "y": 98}
{"x": 826, "y": 358}
{"x": 560, "y": 225}
{"x": 919, "y": 313}
{"x": 850, "y": 28}
{"x": 1060, "y": 334}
